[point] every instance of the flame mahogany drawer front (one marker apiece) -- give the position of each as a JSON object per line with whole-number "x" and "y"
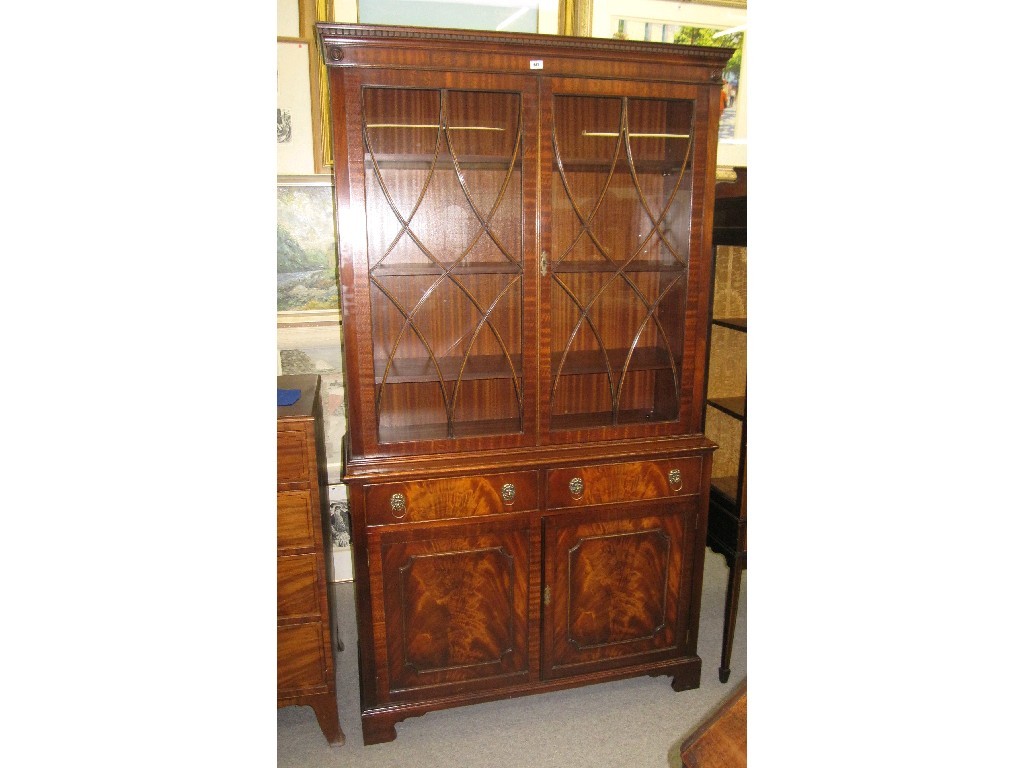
{"x": 298, "y": 593}
{"x": 295, "y": 519}
{"x": 300, "y": 657}
{"x": 629, "y": 481}
{"x": 292, "y": 457}
{"x": 445, "y": 498}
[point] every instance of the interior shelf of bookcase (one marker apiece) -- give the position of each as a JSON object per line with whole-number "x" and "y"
{"x": 607, "y": 266}
{"x": 593, "y": 361}
{"x": 603, "y": 166}
{"x": 568, "y": 421}
{"x": 439, "y": 431}
{"x": 473, "y": 268}
{"x": 420, "y": 369}
{"x": 424, "y": 162}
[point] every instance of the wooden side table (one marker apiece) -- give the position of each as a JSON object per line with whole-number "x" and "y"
{"x": 721, "y": 740}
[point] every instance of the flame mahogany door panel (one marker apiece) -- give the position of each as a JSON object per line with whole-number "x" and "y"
{"x": 616, "y": 587}
{"x": 455, "y": 606}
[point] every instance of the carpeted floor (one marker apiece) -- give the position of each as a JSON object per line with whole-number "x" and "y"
{"x": 636, "y": 723}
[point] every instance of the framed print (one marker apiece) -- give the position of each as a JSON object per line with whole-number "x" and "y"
{"x": 294, "y": 110}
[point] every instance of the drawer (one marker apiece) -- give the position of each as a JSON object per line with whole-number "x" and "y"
{"x": 292, "y": 459}
{"x": 300, "y": 657}
{"x": 627, "y": 481}
{"x": 453, "y": 497}
{"x": 294, "y": 519}
{"x": 298, "y": 588}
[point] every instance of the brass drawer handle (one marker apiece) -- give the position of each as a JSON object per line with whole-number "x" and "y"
{"x": 508, "y": 493}
{"x": 675, "y": 479}
{"x": 398, "y": 505}
{"x": 576, "y": 487}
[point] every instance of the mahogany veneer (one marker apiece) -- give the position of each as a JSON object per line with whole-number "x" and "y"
{"x": 524, "y": 253}
{"x": 305, "y": 651}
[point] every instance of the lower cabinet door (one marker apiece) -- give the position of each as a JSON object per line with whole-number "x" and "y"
{"x": 455, "y": 607}
{"x": 616, "y": 587}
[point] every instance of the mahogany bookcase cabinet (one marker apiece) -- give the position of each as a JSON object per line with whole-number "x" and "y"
{"x": 524, "y": 242}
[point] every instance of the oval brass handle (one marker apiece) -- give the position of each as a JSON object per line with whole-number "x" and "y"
{"x": 398, "y": 505}
{"x": 508, "y": 493}
{"x": 576, "y": 487}
{"x": 675, "y": 479}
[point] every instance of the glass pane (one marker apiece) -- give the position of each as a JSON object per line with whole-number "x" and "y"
{"x": 444, "y": 244}
{"x": 620, "y": 231}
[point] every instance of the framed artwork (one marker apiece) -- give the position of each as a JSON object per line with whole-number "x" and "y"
{"x": 294, "y": 109}
{"x": 309, "y": 338}
{"x": 302, "y": 85}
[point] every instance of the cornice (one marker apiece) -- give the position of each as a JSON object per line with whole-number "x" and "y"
{"x": 332, "y": 33}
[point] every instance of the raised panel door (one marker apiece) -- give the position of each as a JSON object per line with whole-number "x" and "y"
{"x": 616, "y": 587}
{"x": 455, "y": 606}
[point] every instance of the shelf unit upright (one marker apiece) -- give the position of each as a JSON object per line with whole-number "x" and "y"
{"x": 727, "y": 397}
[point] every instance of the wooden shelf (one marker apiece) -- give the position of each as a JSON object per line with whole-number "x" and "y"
{"x": 421, "y": 369}
{"x": 602, "y": 165}
{"x": 416, "y": 270}
{"x": 727, "y": 487}
{"x": 606, "y": 266}
{"x": 436, "y": 431}
{"x": 734, "y": 406}
{"x": 423, "y": 162}
{"x": 736, "y": 323}
{"x": 570, "y": 421}
{"x": 591, "y": 362}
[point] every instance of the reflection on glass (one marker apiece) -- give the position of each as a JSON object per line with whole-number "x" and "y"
{"x": 621, "y": 190}
{"x": 443, "y": 184}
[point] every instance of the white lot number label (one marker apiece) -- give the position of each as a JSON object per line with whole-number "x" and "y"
{"x": 536, "y": 63}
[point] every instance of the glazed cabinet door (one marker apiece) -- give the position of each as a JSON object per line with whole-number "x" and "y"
{"x": 454, "y": 600}
{"x": 443, "y": 186}
{"x": 616, "y": 587}
{"x": 626, "y": 274}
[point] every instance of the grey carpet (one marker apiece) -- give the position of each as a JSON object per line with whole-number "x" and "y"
{"x": 623, "y": 724}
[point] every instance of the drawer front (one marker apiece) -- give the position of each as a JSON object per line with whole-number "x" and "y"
{"x": 294, "y": 519}
{"x": 453, "y": 497}
{"x": 300, "y": 657}
{"x": 292, "y": 458}
{"x": 298, "y": 588}
{"x": 628, "y": 481}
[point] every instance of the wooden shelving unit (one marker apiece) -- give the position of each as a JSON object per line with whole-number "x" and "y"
{"x": 726, "y": 420}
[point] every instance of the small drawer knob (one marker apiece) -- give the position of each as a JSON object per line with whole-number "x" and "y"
{"x": 675, "y": 479}
{"x": 398, "y": 505}
{"x": 508, "y": 493}
{"x": 576, "y": 487}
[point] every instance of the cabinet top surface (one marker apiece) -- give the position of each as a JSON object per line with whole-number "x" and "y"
{"x": 332, "y": 34}
{"x": 302, "y": 408}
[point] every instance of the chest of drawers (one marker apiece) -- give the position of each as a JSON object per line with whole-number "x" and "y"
{"x": 305, "y": 655}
